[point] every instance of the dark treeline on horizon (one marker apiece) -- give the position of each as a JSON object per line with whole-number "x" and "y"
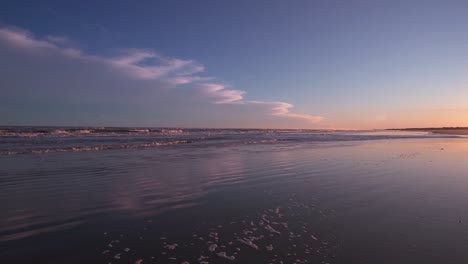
{"x": 428, "y": 128}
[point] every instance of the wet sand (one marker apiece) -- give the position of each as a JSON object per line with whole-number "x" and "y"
{"x": 386, "y": 201}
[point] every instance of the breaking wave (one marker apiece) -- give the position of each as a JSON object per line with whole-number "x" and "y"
{"x": 44, "y": 132}
{"x": 95, "y": 148}
{"x": 42, "y": 140}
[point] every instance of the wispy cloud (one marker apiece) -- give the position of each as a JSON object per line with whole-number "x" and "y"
{"x": 147, "y": 65}
{"x": 59, "y": 40}
{"x": 221, "y": 94}
{"x": 282, "y": 109}
{"x": 24, "y": 39}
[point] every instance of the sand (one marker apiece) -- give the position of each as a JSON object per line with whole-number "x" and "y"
{"x": 370, "y": 201}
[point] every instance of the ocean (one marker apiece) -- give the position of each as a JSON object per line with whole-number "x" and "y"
{"x": 176, "y": 195}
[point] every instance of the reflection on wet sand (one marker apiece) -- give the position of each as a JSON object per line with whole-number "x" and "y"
{"x": 355, "y": 202}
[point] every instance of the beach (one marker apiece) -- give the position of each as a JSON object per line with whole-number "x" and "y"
{"x": 235, "y": 196}
{"x": 233, "y": 132}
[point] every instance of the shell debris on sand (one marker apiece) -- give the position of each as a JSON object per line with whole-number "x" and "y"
{"x": 271, "y": 229}
{"x": 171, "y": 247}
{"x": 266, "y": 237}
{"x": 223, "y": 255}
{"x": 212, "y": 247}
{"x": 248, "y": 243}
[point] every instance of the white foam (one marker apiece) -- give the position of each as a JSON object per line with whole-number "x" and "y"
{"x": 96, "y": 148}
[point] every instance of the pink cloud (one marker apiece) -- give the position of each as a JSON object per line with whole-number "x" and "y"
{"x": 59, "y": 40}
{"x": 132, "y": 63}
{"x": 221, "y": 94}
{"x": 24, "y": 39}
{"x": 282, "y": 109}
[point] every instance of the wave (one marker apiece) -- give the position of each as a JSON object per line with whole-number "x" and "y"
{"x": 116, "y": 131}
{"x": 44, "y": 132}
{"x": 40, "y": 140}
{"x": 95, "y": 148}
{"x": 132, "y": 146}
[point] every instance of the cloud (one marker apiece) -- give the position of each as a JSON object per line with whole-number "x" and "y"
{"x": 56, "y": 66}
{"x": 222, "y": 95}
{"x": 59, "y": 40}
{"x": 282, "y": 109}
{"x": 24, "y": 39}
{"x": 144, "y": 64}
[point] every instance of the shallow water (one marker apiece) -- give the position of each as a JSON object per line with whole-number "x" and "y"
{"x": 389, "y": 200}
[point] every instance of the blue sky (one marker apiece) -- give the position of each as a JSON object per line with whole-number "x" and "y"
{"x": 297, "y": 64}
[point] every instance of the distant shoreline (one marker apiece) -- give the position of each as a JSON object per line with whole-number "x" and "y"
{"x": 442, "y": 130}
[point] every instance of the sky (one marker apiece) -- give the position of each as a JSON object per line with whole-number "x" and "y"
{"x": 351, "y": 64}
